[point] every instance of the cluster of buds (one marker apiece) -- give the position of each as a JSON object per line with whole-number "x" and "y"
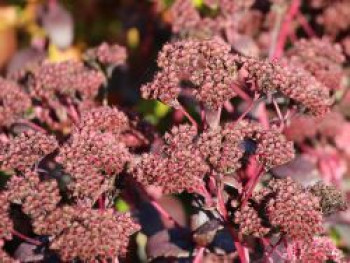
{"x": 320, "y": 249}
{"x": 25, "y": 150}
{"x": 14, "y": 103}
{"x": 321, "y": 58}
{"x": 297, "y": 212}
{"x": 94, "y": 155}
{"x": 91, "y": 234}
{"x": 209, "y": 70}
{"x": 250, "y": 223}
{"x": 204, "y": 67}
{"x": 50, "y": 80}
{"x": 187, "y": 157}
{"x": 293, "y": 82}
{"x": 109, "y": 55}
{"x": 6, "y": 224}
{"x": 36, "y": 197}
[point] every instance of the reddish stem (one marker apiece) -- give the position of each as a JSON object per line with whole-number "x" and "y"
{"x": 25, "y": 238}
{"x": 252, "y": 183}
{"x": 101, "y": 203}
{"x": 221, "y": 203}
{"x": 164, "y": 213}
{"x": 32, "y": 125}
{"x": 241, "y": 93}
{"x": 284, "y": 32}
{"x": 199, "y": 256}
{"x": 263, "y": 115}
{"x": 229, "y": 107}
{"x": 189, "y": 117}
{"x": 249, "y": 108}
{"x": 239, "y": 247}
{"x": 305, "y": 24}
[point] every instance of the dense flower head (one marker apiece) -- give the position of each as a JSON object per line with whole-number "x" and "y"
{"x": 14, "y": 102}
{"x": 36, "y": 197}
{"x": 189, "y": 22}
{"x": 293, "y": 82}
{"x": 294, "y": 210}
{"x": 320, "y": 249}
{"x": 65, "y": 78}
{"x": 331, "y": 199}
{"x": 6, "y": 224}
{"x": 206, "y": 67}
{"x": 182, "y": 171}
{"x": 93, "y": 234}
{"x": 222, "y": 149}
{"x": 106, "y": 54}
{"x": 25, "y": 150}
{"x": 180, "y": 136}
{"x": 335, "y": 17}
{"x": 55, "y": 222}
{"x": 185, "y": 16}
{"x": 103, "y": 119}
{"x": 321, "y": 58}
{"x": 128, "y": 129}
{"x": 178, "y": 166}
{"x": 249, "y": 221}
{"x": 272, "y": 149}
{"x": 92, "y": 159}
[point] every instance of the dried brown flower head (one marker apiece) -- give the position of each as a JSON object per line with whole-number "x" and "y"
{"x": 331, "y": 199}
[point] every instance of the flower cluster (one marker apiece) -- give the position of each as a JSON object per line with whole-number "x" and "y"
{"x": 37, "y": 198}
{"x": 321, "y": 58}
{"x": 50, "y": 80}
{"x": 294, "y": 210}
{"x": 14, "y": 102}
{"x": 187, "y": 157}
{"x": 320, "y": 249}
{"x": 91, "y": 234}
{"x": 334, "y": 17}
{"x": 94, "y": 155}
{"x": 110, "y": 55}
{"x": 250, "y": 223}
{"x": 189, "y": 22}
{"x": 204, "y": 67}
{"x": 25, "y": 150}
{"x": 6, "y": 224}
{"x": 208, "y": 70}
{"x": 293, "y": 82}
